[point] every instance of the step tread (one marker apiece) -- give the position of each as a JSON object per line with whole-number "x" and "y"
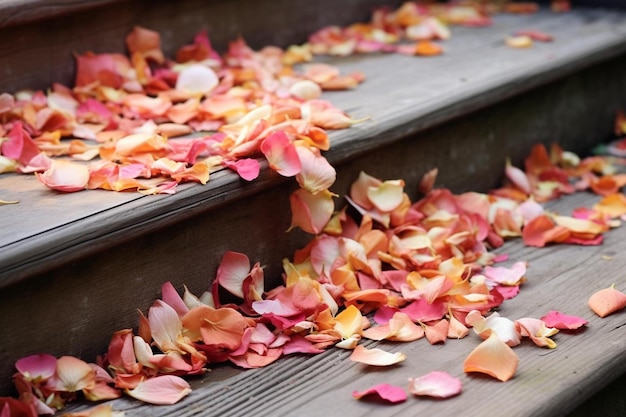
{"x": 547, "y": 382}
{"x": 402, "y": 95}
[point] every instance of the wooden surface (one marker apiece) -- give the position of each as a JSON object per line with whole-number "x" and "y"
{"x": 547, "y": 383}
{"x": 402, "y": 95}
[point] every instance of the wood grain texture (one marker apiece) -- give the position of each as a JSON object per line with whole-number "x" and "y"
{"x": 403, "y": 96}
{"x": 547, "y": 383}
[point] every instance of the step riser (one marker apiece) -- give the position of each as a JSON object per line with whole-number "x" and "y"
{"x": 75, "y": 308}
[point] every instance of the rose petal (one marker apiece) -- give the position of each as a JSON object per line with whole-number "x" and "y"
{"x": 563, "y": 321}
{"x": 165, "y": 389}
{"x": 65, "y": 176}
{"x": 37, "y": 367}
{"x": 376, "y": 357}
{"x": 435, "y": 384}
{"x": 607, "y": 301}
{"x": 492, "y": 357}
{"x": 387, "y": 392}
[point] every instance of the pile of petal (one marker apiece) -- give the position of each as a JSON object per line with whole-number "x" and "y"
{"x": 382, "y": 268}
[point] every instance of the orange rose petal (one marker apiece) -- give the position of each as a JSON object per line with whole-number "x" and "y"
{"x": 376, "y": 357}
{"x": 607, "y": 301}
{"x": 492, "y": 357}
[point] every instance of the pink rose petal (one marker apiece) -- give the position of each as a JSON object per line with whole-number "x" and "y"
{"x": 387, "y": 392}
{"x": 563, "y": 321}
{"x": 165, "y": 389}
{"x": 435, "y": 384}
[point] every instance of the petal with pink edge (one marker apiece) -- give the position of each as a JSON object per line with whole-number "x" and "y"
{"x": 387, "y": 392}
{"x": 386, "y": 196}
{"x": 161, "y": 390}
{"x": 281, "y": 154}
{"x": 376, "y": 357}
{"x": 247, "y": 168}
{"x": 38, "y": 367}
{"x": 65, "y": 176}
{"x": 435, "y": 384}
{"x": 232, "y": 271}
{"x": 562, "y": 321}
{"x": 73, "y": 375}
{"x": 492, "y": 357}
{"x": 311, "y": 212}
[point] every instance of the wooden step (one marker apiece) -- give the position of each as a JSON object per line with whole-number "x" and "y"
{"x": 74, "y": 268}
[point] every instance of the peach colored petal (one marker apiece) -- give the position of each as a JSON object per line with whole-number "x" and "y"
{"x": 562, "y": 321}
{"x": 435, "y": 384}
{"x": 542, "y": 230}
{"x": 437, "y": 332}
{"x": 387, "y": 392}
{"x": 161, "y": 390}
{"x": 316, "y": 173}
{"x": 223, "y": 327}
{"x": 165, "y": 326}
{"x": 613, "y": 205}
{"x": 386, "y": 196}
{"x": 492, "y": 357}
{"x": 607, "y": 301}
{"x": 457, "y": 329}
{"x": 506, "y": 276}
{"x": 140, "y": 142}
{"x": 376, "y": 357}
{"x": 349, "y": 322}
{"x": 102, "y": 410}
{"x": 311, "y": 212}
{"x": 146, "y": 42}
{"x": 517, "y": 177}
{"x": 232, "y": 271}
{"x": 65, "y": 176}
{"x": 580, "y": 228}
{"x": 73, "y": 374}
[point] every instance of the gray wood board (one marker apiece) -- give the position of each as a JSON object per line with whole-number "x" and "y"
{"x": 402, "y": 95}
{"x": 547, "y": 383}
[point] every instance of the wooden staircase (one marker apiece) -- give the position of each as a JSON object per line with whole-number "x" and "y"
{"x": 75, "y": 268}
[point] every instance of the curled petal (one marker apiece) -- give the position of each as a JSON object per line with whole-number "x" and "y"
{"x": 492, "y": 357}
{"x": 503, "y": 327}
{"x": 435, "y": 384}
{"x": 311, "y": 212}
{"x": 281, "y": 154}
{"x": 349, "y": 322}
{"x": 232, "y": 271}
{"x": 400, "y": 328}
{"x": 376, "y": 357}
{"x": 387, "y": 392}
{"x": 73, "y": 375}
{"x": 65, "y": 176}
{"x": 537, "y": 331}
{"x": 247, "y": 168}
{"x": 563, "y": 321}
{"x": 607, "y": 301}
{"x": 518, "y": 177}
{"x": 165, "y": 389}
{"x": 316, "y": 174}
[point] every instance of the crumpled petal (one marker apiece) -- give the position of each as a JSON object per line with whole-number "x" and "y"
{"x": 197, "y": 79}
{"x": 387, "y": 392}
{"x": 376, "y": 357}
{"x": 232, "y": 271}
{"x": 492, "y": 357}
{"x": 435, "y": 384}
{"x": 161, "y": 390}
{"x": 311, "y": 212}
{"x": 607, "y": 301}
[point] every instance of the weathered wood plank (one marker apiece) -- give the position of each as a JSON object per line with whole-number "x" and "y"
{"x": 548, "y": 382}
{"x": 403, "y": 95}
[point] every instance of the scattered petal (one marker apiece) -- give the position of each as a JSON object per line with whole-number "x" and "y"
{"x": 562, "y": 321}
{"x": 387, "y": 392}
{"x": 607, "y": 301}
{"x": 435, "y": 384}
{"x": 376, "y": 357}
{"x": 161, "y": 390}
{"x": 492, "y": 357}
